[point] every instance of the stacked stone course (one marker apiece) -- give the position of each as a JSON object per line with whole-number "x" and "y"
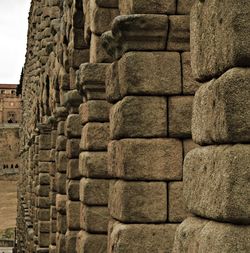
{"x": 216, "y": 176}
{"x": 108, "y": 96}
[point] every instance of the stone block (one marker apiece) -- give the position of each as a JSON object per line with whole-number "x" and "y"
{"x": 62, "y": 162}
{"x": 125, "y": 196}
{"x": 145, "y": 159}
{"x": 179, "y": 33}
{"x": 44, "y": 178}
{"x": 127, "y": 7}
{"x": 73, "y": 148}
{"x": 43, "y": 214}
{"x": 45, "y": 141}
{"x": 95, "y": 111}
{"x": 180, "y": 116}
{"x": 43, "y": 226}
{"x": 43, "y": 167}
{"x": 73, "y": 214}
{"x": 216, "y": 182}
{"x": 101, "y": 18}
{"x": 94, "y": 219}
{"x": 188, "y": 145}
{"x": 61, "y": 223}
{"x": 73, "y": 126}
{"x": 95, "y": 136}
{"x": 43, "y": 190}
{"x": 93, "y": 164}
{"x": 70, "y": 241}
{"x": 176, "y": 209}
{"x": 43, "y": 239}
{"x": 139, "y": 117}
{"x": 141, "y": 238}
{"x": 89, "y": 243}
{"x": 44, "y": 155}
{"x": 190, "y": 86}
{"x": 94, "y": 191}
{"x": 61, "y": 182}
{"x": 60, "y": 243}
{"x": 113, "y": 89}
{"x": 184, "y": 6}
{"x": 107, "y": 4}
{"x": 138, "y": 32}
{"x": 219, "y": 37}
{"x": 61, "y": 143}
{"x": 73, "y": 169}
{"x": 97, "y": 52}
{"x": 73, "y": 187}
{"x": 198, "y": 235}
{"x": 43, "y": 202}
{"x": 61, "y": 203}
{"x": 221, "y": 109}
{"x": 141, "y": 74}
{"x": 60, "y": 127}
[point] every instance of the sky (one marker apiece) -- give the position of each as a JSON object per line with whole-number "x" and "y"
{"x": 13, "y": 37}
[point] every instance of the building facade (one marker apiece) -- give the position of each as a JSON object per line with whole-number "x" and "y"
{"x": 10, "y": 104}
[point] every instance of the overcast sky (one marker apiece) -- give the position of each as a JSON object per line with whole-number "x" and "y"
{"x": 13, "y": 36}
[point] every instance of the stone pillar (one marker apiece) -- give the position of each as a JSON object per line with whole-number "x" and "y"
{"x": 60, "y": 179}
{"x": 42, "y": 201}
{"x": 216, "y": 175}
{"x": 94, "y": 184}
{"x": 150, "y": 123}
{"x": 72, "y": 131}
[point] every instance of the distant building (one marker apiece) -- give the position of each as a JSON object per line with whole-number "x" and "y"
{"x": 10, "y": 117}
{"x": 10, "y": 104}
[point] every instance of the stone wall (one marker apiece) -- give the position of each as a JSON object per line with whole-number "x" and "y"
{"x": 108, "y": 95}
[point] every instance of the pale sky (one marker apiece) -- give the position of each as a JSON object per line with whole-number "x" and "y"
{"x": 13, "y": 37}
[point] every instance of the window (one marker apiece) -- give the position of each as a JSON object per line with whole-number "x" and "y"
{"x": 13, "y": 92}
{"x": 2, "y": 91}
{"x": 11, "y": 117}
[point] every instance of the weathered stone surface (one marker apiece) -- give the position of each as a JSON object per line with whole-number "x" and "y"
{"x": 151, "y": 6}
{"x": 176, "y": 209}
{"x": 101, "y": 18}
{"x": 94, "y": 191}
{"x": 198, "y": 235}
{"x": 107, "y": 4}
{"x": 180, "y": 115}
{"x": 216, "y": 182}
{"x": 145, "y": 159}
{"x": 178, "y": 37}
{"x": 93, "y": 164}
{"x": 73, "y": 148}
{"x": 125, "y": 196}
{"x": 151, "y": 29}
{"x": 72, "y": 169}
{"x": 221, "y": 109}
{"x": 133, "y": 117}
{"x": 88, "y": 243}
{"x": 70, "y": 241}
{"x": 73, "y": 187}
{"x": 61, "y": 143}
{"x": 73, "y": 214}
{"x": 97, "y": 52}
{"x": 73, "y": 126}
{"x": 94, "y": 219}
{"x": 140, "y": 74}
{"x": 190, "y": 86}
{"x": 184, "y": 6}
{"x": 95, "y": 136}
{"x": 44, "y": 141}
{"x": 95, "y": 111}
{"x": 62, "y": 162}
{"x": 141, "y": 238}
{"x": 219, "y": 37}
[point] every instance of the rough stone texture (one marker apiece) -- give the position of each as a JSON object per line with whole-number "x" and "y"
{"x": 127, "y": 7}
{"x": 146, "y": 159}
{"x": 221, "y": 109}
{"x": 216, "y": 183}
{"x": 136, "y": 238}
{"x": 127, "y": 121}
{"x": 200, "y": 235}
{"x": 219, "y": 37}
{"x": 125, "y": 196}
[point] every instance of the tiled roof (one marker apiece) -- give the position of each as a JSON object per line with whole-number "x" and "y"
{"x": 8, "y": 86}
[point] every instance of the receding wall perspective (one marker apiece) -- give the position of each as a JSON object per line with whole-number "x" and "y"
{"x": 113, "y": 93}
